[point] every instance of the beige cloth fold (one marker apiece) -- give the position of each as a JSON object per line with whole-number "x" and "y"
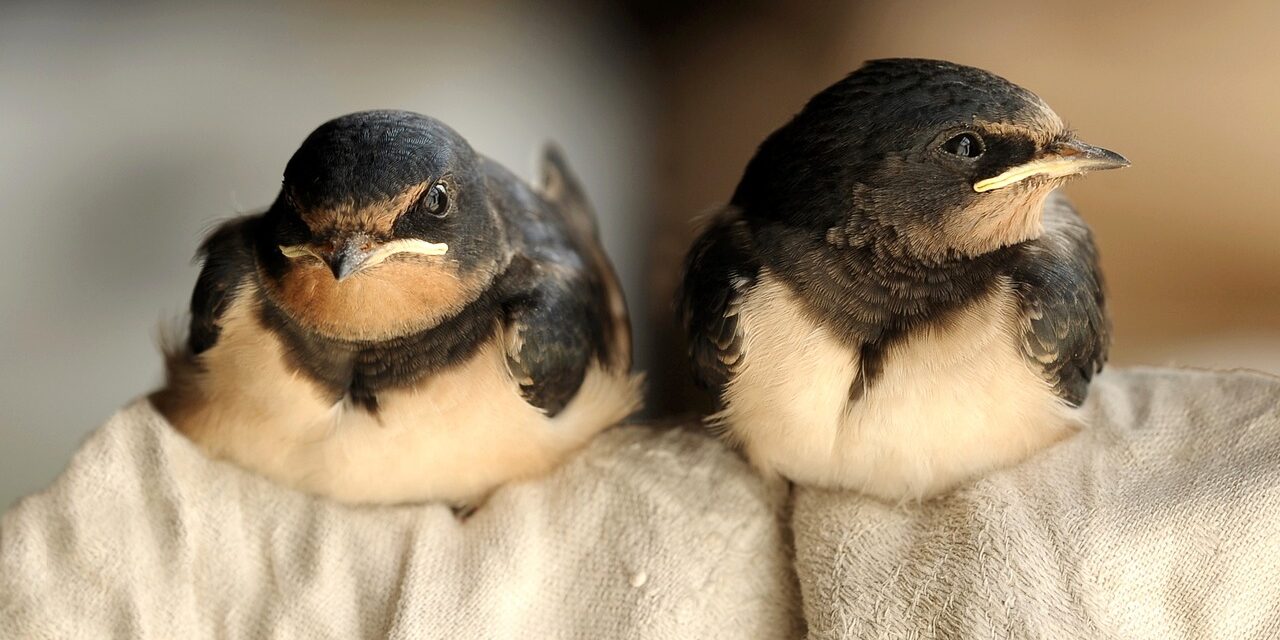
{"x": 1160, "y": 521}
{"x": 648, "y": 535}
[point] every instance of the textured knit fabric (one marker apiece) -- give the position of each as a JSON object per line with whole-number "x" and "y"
{"x": 1162, "y": 520}
{"x": 647, "y": 534}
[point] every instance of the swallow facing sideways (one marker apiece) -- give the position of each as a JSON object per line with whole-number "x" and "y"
{"x": 896, "y": 299}
{"x": 408, "y": 321}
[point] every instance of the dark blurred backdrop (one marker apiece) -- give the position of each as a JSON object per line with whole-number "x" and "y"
{"x": 127, "y": 130}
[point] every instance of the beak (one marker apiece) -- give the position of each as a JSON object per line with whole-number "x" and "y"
{"x": 1069, "y": 158}
{"x": 348, "y": 258}
{"x": 352, "y": 254}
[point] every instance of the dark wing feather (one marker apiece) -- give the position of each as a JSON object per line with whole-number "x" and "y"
{"x": 227, "y": 259}
{"x": 1067, "y": 333}
{"x": 553, "y": 332}
{"x": 561, "y": 188}
{"x": 718, "y": 272}
{"x": 227, "y": 262}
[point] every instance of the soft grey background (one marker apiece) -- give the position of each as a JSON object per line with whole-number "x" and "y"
{"x": 128, "y": 131}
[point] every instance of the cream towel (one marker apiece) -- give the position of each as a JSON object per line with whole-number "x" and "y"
{"x": 1160, "y": 521}
{"x": 647, "y": 534}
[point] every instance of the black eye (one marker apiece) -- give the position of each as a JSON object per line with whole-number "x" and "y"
{"x": 436, "y": 201}
{"x": 965, "y": 145}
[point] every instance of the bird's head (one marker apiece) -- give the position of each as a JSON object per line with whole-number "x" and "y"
{"x": 936, "y": 159}
{"x": 383, "y": 227}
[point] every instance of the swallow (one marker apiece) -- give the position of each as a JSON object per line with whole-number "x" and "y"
{"x": 896, "y": 298}
{"x": 408, "y": 321}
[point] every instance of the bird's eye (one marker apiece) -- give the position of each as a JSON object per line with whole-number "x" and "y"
{"x": 965, "y": 145}
{"x": 436, "y": 201}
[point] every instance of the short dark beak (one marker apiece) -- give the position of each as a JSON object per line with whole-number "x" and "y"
{"x": 1090, "y": 158}
{"x": 348, "y": 258}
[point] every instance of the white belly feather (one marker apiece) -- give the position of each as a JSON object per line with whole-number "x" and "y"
{"x": 953, "y": 400}
{"x": 455, "y": 437}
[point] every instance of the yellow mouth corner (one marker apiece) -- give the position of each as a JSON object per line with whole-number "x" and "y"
{"x": 1055, "y": 167}
{"x": 1067, "y": 159}
{"x": 420, "y": 247}
{"x": 410, "y": 245}
{"x": 297, "y": 251}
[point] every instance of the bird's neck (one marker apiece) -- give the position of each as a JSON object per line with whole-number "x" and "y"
{"x": 359, "y": 369}
{"x": 867, "y": 293}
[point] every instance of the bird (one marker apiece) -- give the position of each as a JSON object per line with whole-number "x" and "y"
{"x": 408, "y": 321}
{"x": 897, "y": 299}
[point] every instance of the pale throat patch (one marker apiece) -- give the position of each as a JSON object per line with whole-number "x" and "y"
{"x": 998, "y": 220}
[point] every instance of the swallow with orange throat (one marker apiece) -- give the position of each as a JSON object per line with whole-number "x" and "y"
{"x": 408, "y": 321}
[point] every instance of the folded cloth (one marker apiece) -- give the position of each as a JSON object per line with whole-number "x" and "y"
{"x": 1162, "y": 520}
{"x": 647, "y": 534}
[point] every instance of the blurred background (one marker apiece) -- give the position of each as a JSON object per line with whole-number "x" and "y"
{"x": 127, "y": 131}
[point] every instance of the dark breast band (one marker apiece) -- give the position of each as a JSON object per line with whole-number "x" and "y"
{"x": 360, "y": 370}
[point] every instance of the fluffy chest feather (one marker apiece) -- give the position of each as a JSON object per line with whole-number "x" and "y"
{"x": 955, "y": 398}
{"x": 454, "y": 436}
